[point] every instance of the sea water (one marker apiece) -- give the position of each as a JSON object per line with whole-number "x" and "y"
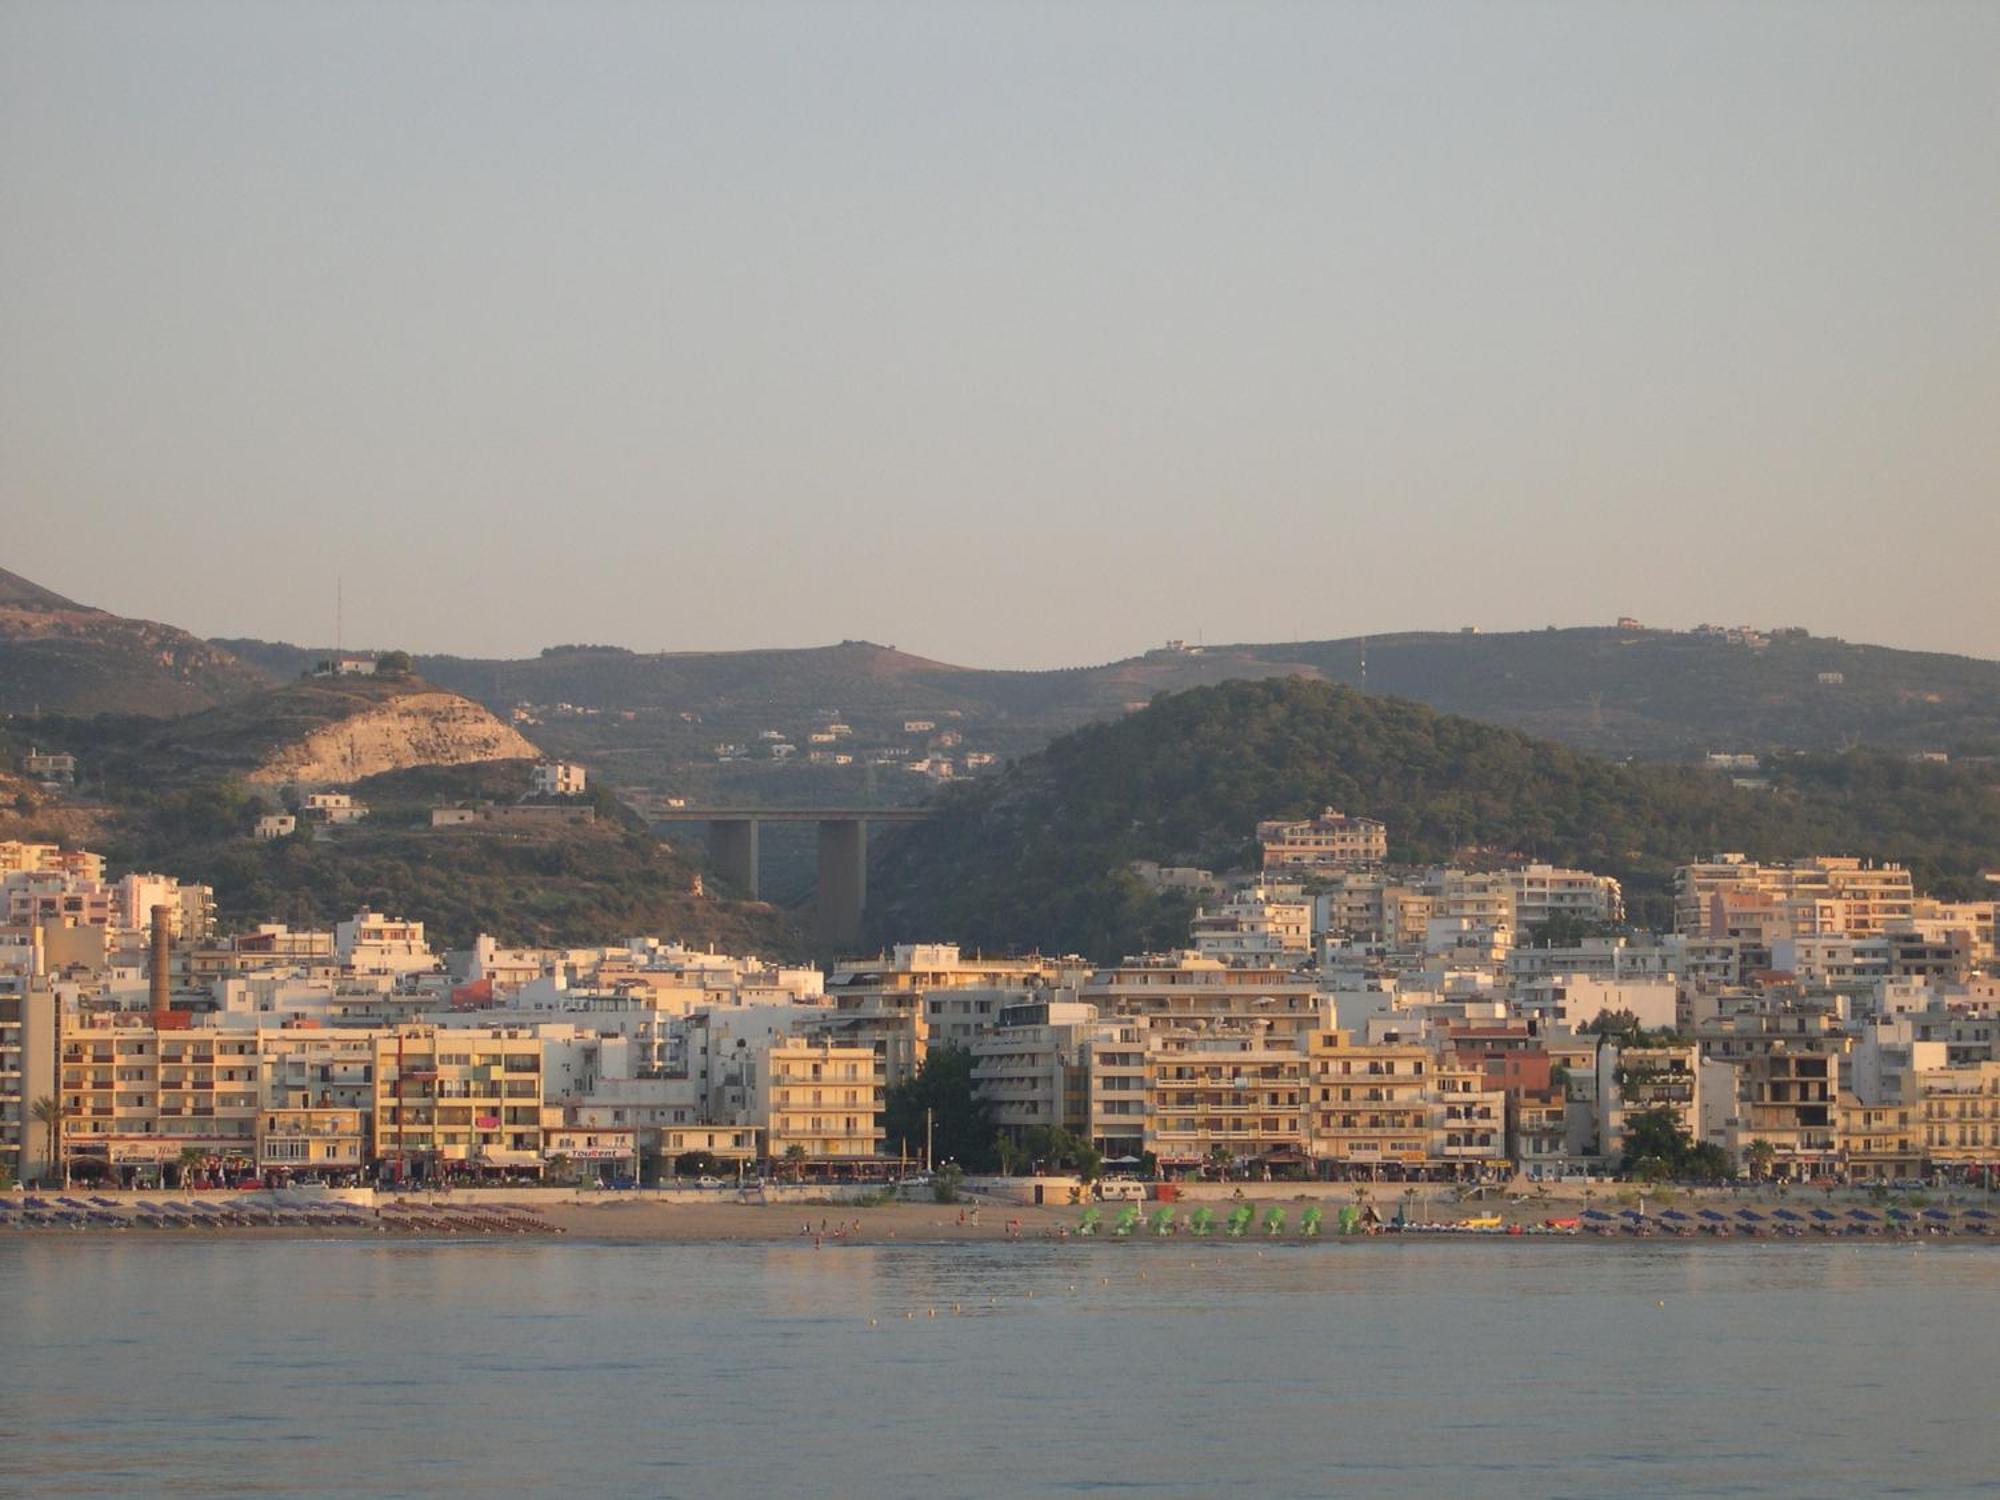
{"x": 343, "y": 1367}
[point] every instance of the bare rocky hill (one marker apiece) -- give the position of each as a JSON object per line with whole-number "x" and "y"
{"x": 58, "y": 656}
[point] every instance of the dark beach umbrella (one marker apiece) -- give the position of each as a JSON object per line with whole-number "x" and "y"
{"x": 1712, "y": 1216}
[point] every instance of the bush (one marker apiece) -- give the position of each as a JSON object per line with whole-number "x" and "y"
{"x": 944, "y": 1183}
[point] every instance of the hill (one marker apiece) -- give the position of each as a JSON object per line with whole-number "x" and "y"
{"x": 566, "y": 884}
{"x": 332, "y": 730}
{"x": 660, "y": 719}
{"x": 1674, "y": 695}
{"x": 1039, "y": 856}
{"x": 58, "y": 656}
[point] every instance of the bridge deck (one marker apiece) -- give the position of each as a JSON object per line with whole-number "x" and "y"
{"x": 791, "y": 814}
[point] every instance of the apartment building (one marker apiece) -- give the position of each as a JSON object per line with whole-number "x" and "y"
{"x": 28, "y": 1075}
{"x": 1114, "y": 1059}
{"x": 1255, "y": 926}
{"x": 1030, "y": 1068}
{"x": 823, "y": 1099}
{"x": 1542, "y": 892}
{"x": 1371, "y": 1104}
{"x": 1959, "y": 1114}
{"x": 1633, "y": 1081}
{"x": 1215, "y": 1095}
{"x": 1731, "y": 895}
{"x": 316, "y": 1102}
{"x": 1332, "y": 841}
{"x": 1185, "y": 990}
{"x": 145, "y": 1102}
{"x": 456, "y": 1102}
{"x": 1466, "y": 1128}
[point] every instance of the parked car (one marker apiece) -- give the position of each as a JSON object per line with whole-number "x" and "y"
{"x": 708, "y": 1182}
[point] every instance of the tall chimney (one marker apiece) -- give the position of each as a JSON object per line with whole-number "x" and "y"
{"x": 38, "y": 961}
{"x": 162, "y": 951}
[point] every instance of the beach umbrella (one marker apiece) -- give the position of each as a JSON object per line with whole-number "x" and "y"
{"x": 1674, "y": 1215}
{"x": 1938, "y": 1214}
{"x": 1712, "y": 1216}
{"x": 1977, "y": 1213}
{"x": 1597, "y": 1215}
{"x": 1902, "y": 1218}
{"x": 1787, "y": 1215}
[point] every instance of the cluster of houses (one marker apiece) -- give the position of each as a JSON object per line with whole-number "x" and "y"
{"x": 1331, "y": 1016}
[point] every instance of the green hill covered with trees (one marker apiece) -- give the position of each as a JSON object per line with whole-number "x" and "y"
{"x": 1039, "y": 856}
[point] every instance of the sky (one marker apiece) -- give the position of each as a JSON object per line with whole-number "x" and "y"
{"x": 1023, "y": 335}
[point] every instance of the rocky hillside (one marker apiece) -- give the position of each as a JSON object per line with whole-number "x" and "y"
{"x": 61, "y": 657}
{"x": 322, "y": 731}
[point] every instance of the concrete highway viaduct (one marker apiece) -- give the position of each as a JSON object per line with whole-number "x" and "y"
{"x": 841, "y": 894}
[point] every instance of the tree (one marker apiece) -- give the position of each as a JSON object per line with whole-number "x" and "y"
{"x": 1657, "y": 1149}
{"x": 48, "y": 1114}
{"x": 393, "y": 664}
{"x": 944, "y": 1183}
{"x": 960, "y": 1124}
{"x": 1758, "y": 1157}
{"x": 795, "y": 1160}
{"x": 695, "y": 1164}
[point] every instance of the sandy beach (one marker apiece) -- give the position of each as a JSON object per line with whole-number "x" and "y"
{"x": 830, "y": 1225}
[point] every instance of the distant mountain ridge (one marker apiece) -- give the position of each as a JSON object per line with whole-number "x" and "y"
{"x": 1621, "y": 691}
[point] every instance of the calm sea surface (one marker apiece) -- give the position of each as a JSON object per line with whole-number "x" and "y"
{"x": 1426, "y": 1368}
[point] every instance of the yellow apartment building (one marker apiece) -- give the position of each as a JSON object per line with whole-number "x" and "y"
{"x": 1371, "y": 1104}
{"x": 451, "y": 1102}
{"x": 822, "y": 1098}
{"x": 1216, "y": 1094}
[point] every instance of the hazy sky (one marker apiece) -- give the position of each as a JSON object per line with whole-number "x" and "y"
{"x": 1013, "y": 334}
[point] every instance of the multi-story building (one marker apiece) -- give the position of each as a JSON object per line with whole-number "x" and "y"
{"x": 1184, "y": 990}
{"x": 1733, "y": 896}
{"x": 453, "y": 1102}
{"x": 557, "y": 778}
{"x": 824, "y": 1100}
{"x": 370, "y": 943}
{"x": 1370, "y": 1104}
{"x": 1031, "y": 1067}
{"x": 145, "y": 1102}
{"x": 1231, "y": 1096}
{"x": 317, "y": 1097}
{"x": 29, "y": 1149}
{"x": 1542, "y": 892}
{"x": 1633, "y": 1081}
{"x": 1467, "y": 1123}
{"x": 1332, "y": 841}
{"x": 1880, "y": 1141}
{"x": 1114, "y": 1054}
{"x": 1255, "y": 926}
{"x": 1959, "y": 1110}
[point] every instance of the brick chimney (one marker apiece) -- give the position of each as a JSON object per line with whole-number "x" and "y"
{"x": 162, "y": 957}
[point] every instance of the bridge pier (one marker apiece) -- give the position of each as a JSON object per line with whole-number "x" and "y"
{"x": 843, "y": 880}
{"x": 732, "y": 847}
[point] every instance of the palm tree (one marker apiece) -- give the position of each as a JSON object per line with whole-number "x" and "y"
{"x": 795, "y": 1158}
{"x": 1758, "y": 1156}
{"x": 48, "y": 1113}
